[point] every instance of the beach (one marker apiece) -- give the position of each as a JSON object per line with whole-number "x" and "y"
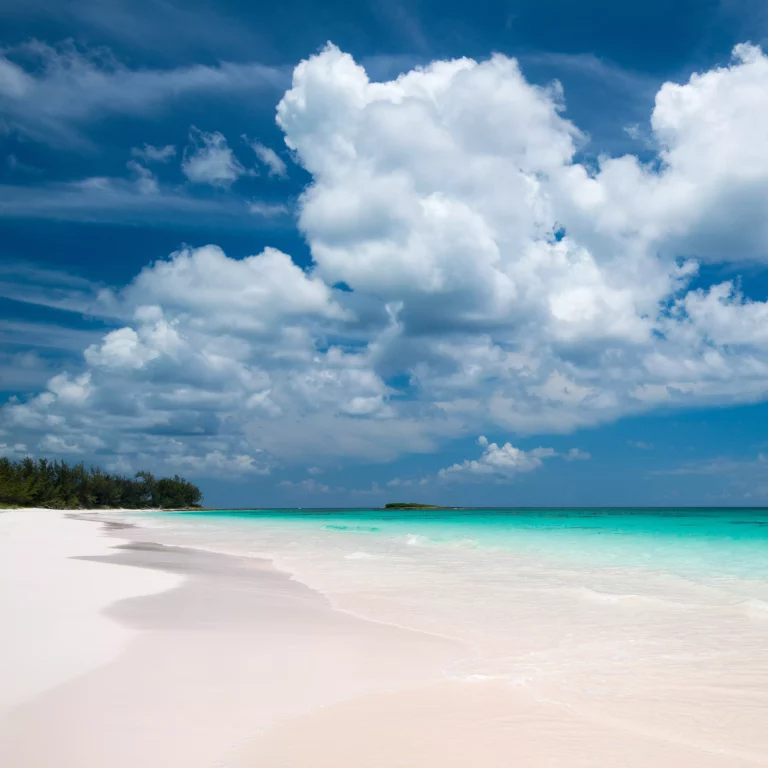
{"x": 198, "y": 653}
{"x": 236, "y": 640}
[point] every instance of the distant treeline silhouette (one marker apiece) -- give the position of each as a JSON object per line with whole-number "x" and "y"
{"x": 43, "y": 483}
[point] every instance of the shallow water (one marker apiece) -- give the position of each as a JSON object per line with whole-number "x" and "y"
{"x": 656, "y": 620}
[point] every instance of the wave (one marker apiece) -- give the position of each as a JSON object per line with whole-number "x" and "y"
{"x": 417, "y": 540}
{"x": 614, "y": 598}
{"x": 475, "y": 670}
{"x": 358, "y": 556}
{"x": 337, "y": 527}
{"x": 756, "y": 608}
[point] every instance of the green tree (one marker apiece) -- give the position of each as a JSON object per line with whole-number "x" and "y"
{"x": 30, "y": 483}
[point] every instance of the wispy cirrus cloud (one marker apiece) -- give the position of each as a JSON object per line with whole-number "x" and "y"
{"x": 51, "y": 93}
{"x": 56, "y": 289}
{"x": 136, "y": 199}
{"x": 608, "y": 73}
{"x": 46, "y": 335}
{"x": 720, "y": 465}
{"x": 743, "y": 477}
{"x": 198, "y": 26}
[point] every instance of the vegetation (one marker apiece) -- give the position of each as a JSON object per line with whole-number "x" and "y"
{"x": 403, "y": 505}
{"x": 43, "y": 483}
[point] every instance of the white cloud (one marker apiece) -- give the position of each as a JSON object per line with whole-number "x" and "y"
{"x": 74, "y": 390}
{"x": 146, "y": 182}
{"x": 502, "y": 463}
{"x": 151, "y": 154}
{"x": 271, "y": 159}
{"x": 209, "y": 291}
{"x": 218, "y": 463}
{"x": 56, "y": 445}
{"x": 218, "y": 354}
{"x": 268, "y": 210}
{"x": 468, "y": 273}
{"x": 576, "y": 454}
{"x": 57, "y": 289}
{"x": 703, "y": 201}
{"x": 465, "y": 212}
{"x": 14, "y": 81}
{"x": 120, "y": 349}
{"x": 208, "y": 159}
{"x": 15, "y": 451}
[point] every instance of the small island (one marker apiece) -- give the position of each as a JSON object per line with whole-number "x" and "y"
{"x": 405, "y": 505}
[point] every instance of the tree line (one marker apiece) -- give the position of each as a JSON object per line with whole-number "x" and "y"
{"x": 56, "y": 484}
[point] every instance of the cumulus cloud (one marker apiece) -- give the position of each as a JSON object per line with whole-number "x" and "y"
{"x": 15, "y": 451}
{"x": 208, "y": 290}
{"x": 452, "y": 195}
{"x": 57, "y": 445}
{"x": 208, "y": 159}
{"x": 216, "y": 463}
{"x": 219, "y": 353}
{"x": 497, "y": 462}
{"x": 468, "y": 272}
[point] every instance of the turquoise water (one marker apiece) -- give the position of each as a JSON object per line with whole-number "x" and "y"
{"x": 713, "y": 542}
{"x": 655, "y": 620}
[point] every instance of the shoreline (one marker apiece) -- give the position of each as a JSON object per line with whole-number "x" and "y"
{"x": 229, "y": 649}
{"x": 237, "y": 663}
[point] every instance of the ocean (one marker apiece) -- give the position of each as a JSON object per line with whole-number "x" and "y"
{"x": 656, "y": 620}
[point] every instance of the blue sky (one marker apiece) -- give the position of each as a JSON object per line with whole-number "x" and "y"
{"x": 487, "y": 253}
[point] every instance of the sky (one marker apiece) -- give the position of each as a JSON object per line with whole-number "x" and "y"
{"x": 489, "y": 253}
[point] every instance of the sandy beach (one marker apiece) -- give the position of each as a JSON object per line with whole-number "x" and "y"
{"x": 123, "y": 651}
{"x": 139, "y": 654}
